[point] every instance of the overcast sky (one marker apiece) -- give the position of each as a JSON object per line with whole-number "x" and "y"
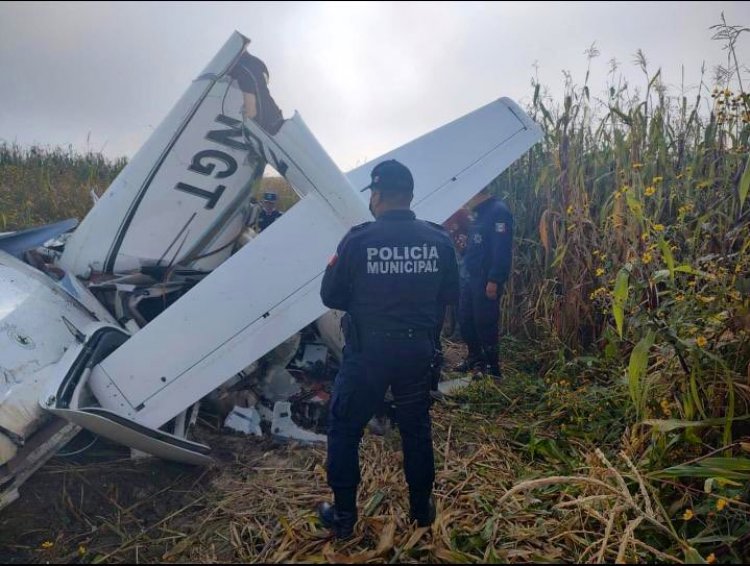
{"x": 366, "y": 77}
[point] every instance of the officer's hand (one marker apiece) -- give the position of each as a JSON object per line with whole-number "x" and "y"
{"x": 491, "y": 290}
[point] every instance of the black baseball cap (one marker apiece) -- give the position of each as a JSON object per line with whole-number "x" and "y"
{"x": 391, "y": 176}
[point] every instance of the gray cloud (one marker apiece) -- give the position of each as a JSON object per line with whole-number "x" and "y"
{"x": 365, "y": 77}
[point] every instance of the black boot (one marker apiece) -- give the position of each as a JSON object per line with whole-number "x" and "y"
{"x": 340, "y": 522}
{"x": 422, "y": 509}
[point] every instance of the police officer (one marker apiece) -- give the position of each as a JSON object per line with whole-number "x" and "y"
{"x": 487, "y": 263}
{"x": 268, "y": 215}
{"x": 392, "y": 277}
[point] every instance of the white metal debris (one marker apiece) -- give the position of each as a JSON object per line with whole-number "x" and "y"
{"x": 245, "y": 420}
{"x": 283, "y": 427}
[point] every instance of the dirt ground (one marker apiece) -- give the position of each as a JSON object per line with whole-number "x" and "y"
{"x": 79, "y": 508}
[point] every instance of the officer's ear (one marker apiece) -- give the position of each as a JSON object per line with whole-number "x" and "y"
{"x": 378, "y": 202}
{"x": 375, "y": 198}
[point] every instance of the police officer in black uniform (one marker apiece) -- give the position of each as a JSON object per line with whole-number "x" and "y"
{"x": 487, "y": 264}
{"x": 268, "y": 214}
{"x": 393, "y": 277}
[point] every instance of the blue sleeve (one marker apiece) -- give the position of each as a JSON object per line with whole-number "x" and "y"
{"x": 336, "y": 289}
{"x": 501, "y": 247}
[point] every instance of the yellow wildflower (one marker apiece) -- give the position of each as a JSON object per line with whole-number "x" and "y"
{"x": 601, "y": 291}
{"x": 650, "y": 191}
{"x": 680, "y": 175}
{"x": 644, "y": 237}
{"x": 599, "y": 272}
{"x": 618, "y": 194}
{"x": 47, "y": 544}
{"x": 81, "y": 550}
{"x": 637, "y": 165}
{"x": 687, "y": 515}
{"x": 658, "y": 227}
{"x": 570, "y": 209}
{"x": 679, "y": 298}
{"x": 720, "y": 504}
{"x": 703, "y": 185}
{"x": 684, "y": 209}
{"x": 701, "y": 341}
{"x": 657, "y": 180}
{"x": 703, "y": 299}
{"x": 647, "y": 257}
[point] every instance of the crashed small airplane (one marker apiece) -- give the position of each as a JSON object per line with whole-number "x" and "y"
{"x": 162, "y": 295}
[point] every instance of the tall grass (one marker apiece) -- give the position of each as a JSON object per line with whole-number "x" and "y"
{"x": 39, "y": 184}
{"x": 633, "y": 247}
{"x": 44, "y": 184}
{"x": 634, "y": 218}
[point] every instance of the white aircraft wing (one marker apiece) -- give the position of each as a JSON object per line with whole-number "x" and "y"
{"x": 258, "y": 298}
{"x": 454, "y": 162}
{"x": 183, "y": 194}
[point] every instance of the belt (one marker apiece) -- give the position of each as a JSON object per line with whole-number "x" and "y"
{"x": 402, "y": 334}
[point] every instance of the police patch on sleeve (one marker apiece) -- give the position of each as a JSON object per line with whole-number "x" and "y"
{"x": 500, "y": 227}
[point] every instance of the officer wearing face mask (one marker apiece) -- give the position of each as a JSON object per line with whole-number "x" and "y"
{"x": 393, "y": 277}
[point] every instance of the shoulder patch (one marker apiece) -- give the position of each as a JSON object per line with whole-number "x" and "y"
{"x": 355, "y": 230}
{"x": 501, "y": 227}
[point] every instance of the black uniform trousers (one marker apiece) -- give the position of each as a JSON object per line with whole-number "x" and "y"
{"x": 370, "y": 365}
{"x": 478, "y": 316}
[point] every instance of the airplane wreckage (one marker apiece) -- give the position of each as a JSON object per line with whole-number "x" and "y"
{"x": 162, "y": 297}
